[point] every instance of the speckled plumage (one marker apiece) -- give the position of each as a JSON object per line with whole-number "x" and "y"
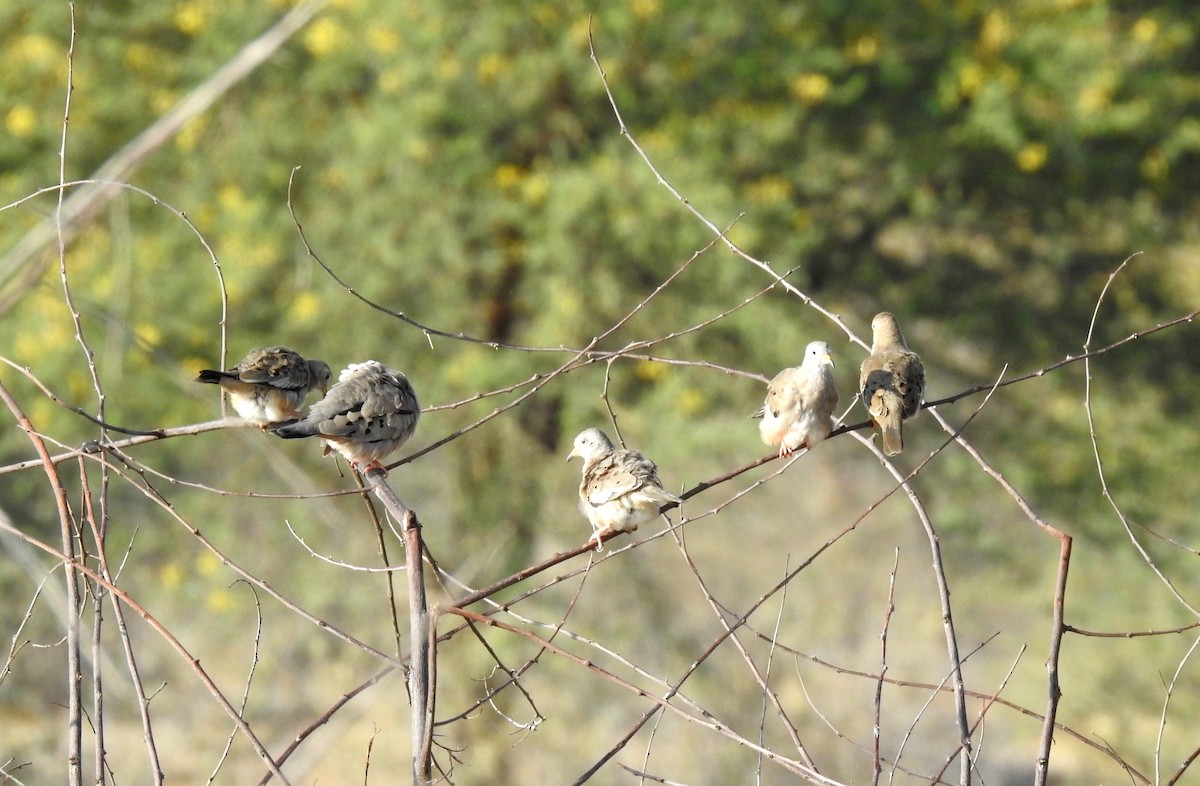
{"x": 620, "y": 489}
{"x": 366, "y": 416}
{"x": 270, "y": 384}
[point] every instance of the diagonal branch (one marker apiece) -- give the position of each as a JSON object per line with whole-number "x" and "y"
{"x": 1095, "y": 442}
{"x": 83, "y": 205}
{"x": 193, "y": 662}
{"x": 1058, "y": 627}
{"x": 712, "y": 227}
{"x": 706, "y": 721}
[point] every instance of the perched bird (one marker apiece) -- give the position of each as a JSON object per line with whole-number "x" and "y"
{"x": 891, "y": 382}
{"x": 620, "y": 488}
{"x": 800, "y": 401}
{"x": 369, "y": 413}
{"x": 270, "y": 384}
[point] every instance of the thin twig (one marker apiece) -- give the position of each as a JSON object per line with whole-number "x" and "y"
{"x": 1162, "y": 723}
{"x": 939, "y": 572}
{"x": 1058, "y": 627}
{"x": 759, "y": 678}
{"x": 143, "y": 702}
{"x": 706, "y": 721}
{"x": 324, "y": 718}
{"x": 13, "y": 646}
{"x": 1104, "y": 489}
{"x": 940, "y": 576}
{"x": 647, "y": 776}
{"x": 589, "y": 353}
{"x": 983, "y": 711}
{"x": 74, "y": 676}
{"x": 86, "y": 203}
{"x": 258, "y": 630}
{"x": 66, "y": 524}
{"x": 7, "y": 769}
{"x": 1131, "y": 634}
{"x": 192, "y": 661}
{"x": 762, "y": 716}
{"x": 154, "y": 495}
{"x": 941, "y": 687}
{"x": 876, "y": 763}
{"x": 712, "y": 227}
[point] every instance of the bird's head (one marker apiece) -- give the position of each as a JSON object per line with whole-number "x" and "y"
{"x": 885, "y": 330}
{"x": 819, "y": 354}
{"x": 321, "y": 374}
{"x": 590, "y": 444}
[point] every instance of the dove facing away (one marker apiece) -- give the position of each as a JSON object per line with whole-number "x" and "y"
{"x": 891, "y": 382}
{"x": 368, "y": 414}
{"x": 620, "y": 488}
{"x": 270, "y": 384}
{"x": 800, "y": 401}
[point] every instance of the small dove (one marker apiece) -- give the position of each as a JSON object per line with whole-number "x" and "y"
{"x": 891, "y": 382}
{"x": 270, "y": 384}
{"x": 369, "y": 413}
{"x": 800, "y": 401}
{"x": 620, "y": 488}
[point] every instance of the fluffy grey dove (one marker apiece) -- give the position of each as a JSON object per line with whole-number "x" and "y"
{"x": 891, "y": 382}
{"x": 369, "y": 413}
{"x": 270, "y": 384}
{"x": 620, "y": 489}
{"x": 800, "y": 401}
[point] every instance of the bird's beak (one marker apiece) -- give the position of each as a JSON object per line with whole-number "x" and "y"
{"x": 572, "y": 454}
{"x": 827, "y": 359}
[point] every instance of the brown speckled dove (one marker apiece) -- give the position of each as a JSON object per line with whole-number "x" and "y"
{"x": 620, "y": 489}
{"x": 891, "y": 382}
{"x": 800, "y": 401}
{"x": 270, "y": 384}
{"x": 369, "y": 413}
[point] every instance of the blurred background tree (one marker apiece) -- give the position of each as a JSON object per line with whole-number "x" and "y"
{"x": 979, "y": 167}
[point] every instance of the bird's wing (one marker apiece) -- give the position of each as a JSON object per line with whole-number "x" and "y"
{"x": 278, "y": 367}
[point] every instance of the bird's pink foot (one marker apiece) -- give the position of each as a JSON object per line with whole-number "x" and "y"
{"x": 597, "y": 537}
{"x": 372, "y": 466}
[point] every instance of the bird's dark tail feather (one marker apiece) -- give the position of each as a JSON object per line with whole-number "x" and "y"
{"x": 294, "y": 429}
{"x": 212, "y": 377}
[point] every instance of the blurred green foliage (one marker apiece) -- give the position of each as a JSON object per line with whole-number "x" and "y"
{"x": 977, "y": 166}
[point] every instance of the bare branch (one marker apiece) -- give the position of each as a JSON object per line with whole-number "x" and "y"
{"x": 85, "y": 205}
{"x": 422, "y": 653}
{"x": 795, "y": 767}
{"x": 1060, "y": 590}
{"x": 159, "y": 628}
{"x": 1162, "y": 723}
{"x": 712, "y": 227}
{"x": 876, "y": 764}
{"x": 1087, "y": 406}
{"x": 66, "y": 522}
